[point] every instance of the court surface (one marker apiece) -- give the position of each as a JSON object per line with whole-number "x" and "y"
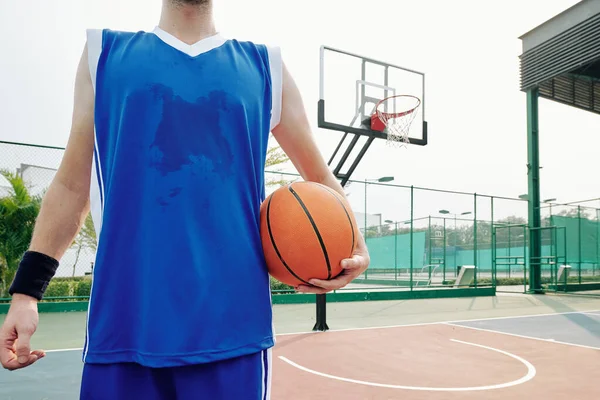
{"x": 540, "y": 347}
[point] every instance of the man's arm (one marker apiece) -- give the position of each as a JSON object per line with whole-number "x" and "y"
{"x": 63, "y": 211}
{"x": 66, "y": 203}
{"x": 294, "y": 135}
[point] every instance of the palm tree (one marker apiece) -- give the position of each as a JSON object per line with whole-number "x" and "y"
{"x": 18, "y": 211}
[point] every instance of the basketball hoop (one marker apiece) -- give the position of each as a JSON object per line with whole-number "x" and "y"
{"x": 398, "y": 121}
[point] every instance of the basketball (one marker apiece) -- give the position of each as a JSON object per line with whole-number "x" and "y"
{"x": 307, "y": 229}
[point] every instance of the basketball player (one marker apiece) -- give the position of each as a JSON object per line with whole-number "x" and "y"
{"x": 167, "y": 152}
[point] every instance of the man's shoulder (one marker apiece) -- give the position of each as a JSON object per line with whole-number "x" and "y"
{"x": 251, "y": 42}
{"x": 114, "y": 33}
{"x": 117, "y": 31}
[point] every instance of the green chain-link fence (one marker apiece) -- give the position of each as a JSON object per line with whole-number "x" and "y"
{"x": 421, "y": 237}
{"x": 27, "y": 171}
{"x": 417, "y": 237}
{"x": 577, "y": 240}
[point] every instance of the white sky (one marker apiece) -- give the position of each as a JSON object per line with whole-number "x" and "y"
{"x": 468, "y": 50}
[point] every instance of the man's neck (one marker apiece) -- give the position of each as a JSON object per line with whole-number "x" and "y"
{"x": 189, "y": 24}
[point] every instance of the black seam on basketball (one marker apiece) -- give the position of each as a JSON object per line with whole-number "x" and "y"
{"x": 275, "y": 246}
{"x": 347, "y": 214}
{"x": 314, "y": 225}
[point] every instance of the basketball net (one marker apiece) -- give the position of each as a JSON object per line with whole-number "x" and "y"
{"x": 397, "y": 114}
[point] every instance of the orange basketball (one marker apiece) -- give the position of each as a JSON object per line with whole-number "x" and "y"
{"x": 307, "y": 229}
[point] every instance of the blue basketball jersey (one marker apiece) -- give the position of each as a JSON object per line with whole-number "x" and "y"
{"x": 181, "y": 137}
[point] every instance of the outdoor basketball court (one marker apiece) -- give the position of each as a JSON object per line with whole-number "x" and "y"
{"x": 467, "y": 348}
{"x": 511, "y": 345}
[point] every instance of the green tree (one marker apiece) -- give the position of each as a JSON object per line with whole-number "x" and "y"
{"x": 576, "y": 212}
{"x": 85, "y": 239}
{"x": 463, "y": 235}
{"x": 275, "y": 158}
{"x": 513, "y": 235}
{"x": 18, "y": 211}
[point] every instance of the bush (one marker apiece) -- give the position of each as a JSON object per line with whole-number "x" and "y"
{"x": 574, "y": 278}
{"x": 68, "y": 279}
{"x": 68, "y": 287}
{"x": 59, "y": 289}
{"x": 277, "y": 286}
{"x": 83, "y": 288}
{"x": 508, "y": 281}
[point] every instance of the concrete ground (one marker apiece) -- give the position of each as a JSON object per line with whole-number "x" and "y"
{"x": 574, "y": 320}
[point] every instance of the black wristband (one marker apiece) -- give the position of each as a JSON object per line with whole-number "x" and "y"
{"x": 34, "y": 274}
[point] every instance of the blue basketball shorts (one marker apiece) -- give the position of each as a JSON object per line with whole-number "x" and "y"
{"x": 241, "y": 378}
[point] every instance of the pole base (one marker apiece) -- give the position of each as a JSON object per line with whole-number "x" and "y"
{"x": 321, "y": 324}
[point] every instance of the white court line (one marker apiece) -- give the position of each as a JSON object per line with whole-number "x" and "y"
{"x": 531, "y": 372}
{"x": 592, "y": 312}
{"x": 60, "y": 350}
{"x": 441, "y": 322}
{"x": 409, "y": 325}
{"x": 524, "y": 337}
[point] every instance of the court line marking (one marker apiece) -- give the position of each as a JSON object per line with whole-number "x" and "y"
{"x": 59, "y": 350}
{"x": 592, "y": 312}
{"x": 404, "y": 325}
{"x": 441, "y": 322}
{"x": 523, "y": 336}
{"x": 531, "y": 372}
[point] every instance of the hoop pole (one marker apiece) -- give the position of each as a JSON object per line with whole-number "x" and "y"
{"x": 533, "y": 163}
{"x": 322, "y": 73}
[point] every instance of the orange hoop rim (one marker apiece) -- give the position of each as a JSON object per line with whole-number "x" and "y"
{"x": 387, "y": 115}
